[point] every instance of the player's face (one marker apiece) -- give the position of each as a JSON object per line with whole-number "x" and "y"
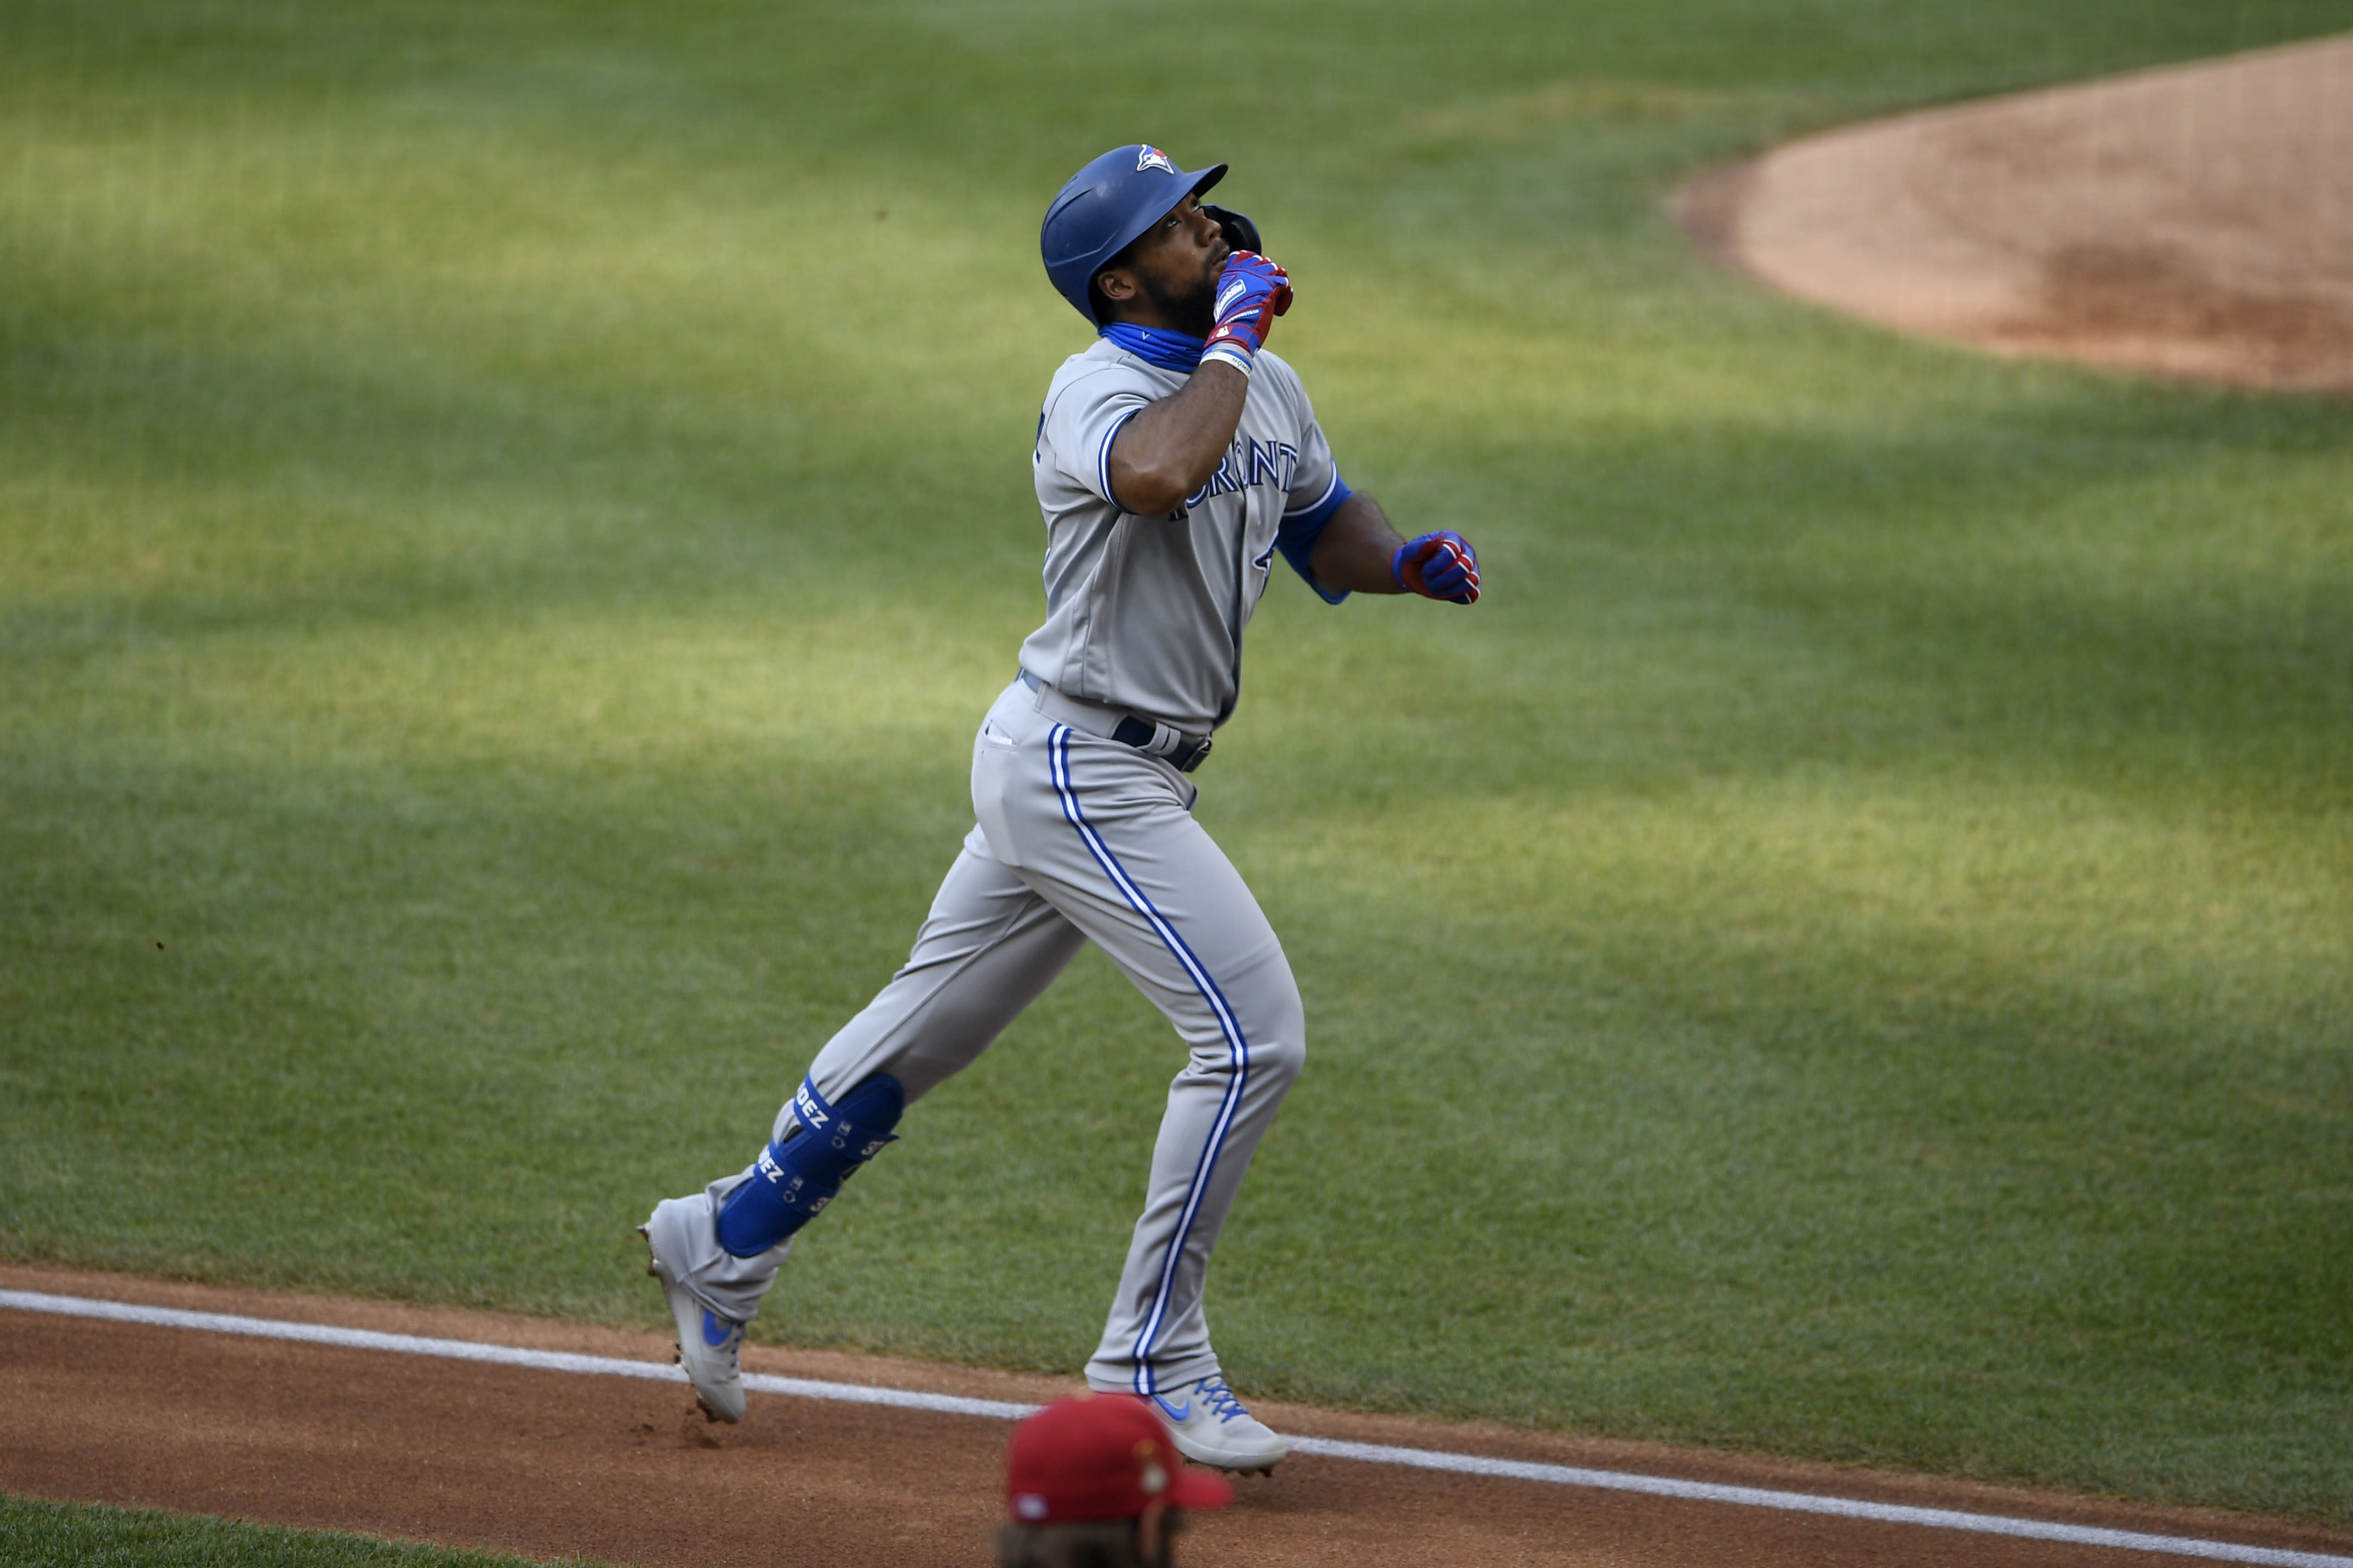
{"x": 1184, "y": 249}
{"x": 1174, "y": 271}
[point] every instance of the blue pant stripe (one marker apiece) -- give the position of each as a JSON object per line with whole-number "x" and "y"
{"x": 1237, "y": 1047}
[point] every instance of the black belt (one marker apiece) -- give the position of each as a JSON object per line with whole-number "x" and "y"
{"x": 1188, "y": 753}
{"x": 1182, "y": 752}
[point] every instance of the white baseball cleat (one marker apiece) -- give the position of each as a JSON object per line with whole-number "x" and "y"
{"x": 1212, "y": 1428}
{"x": 708, "y": 1344}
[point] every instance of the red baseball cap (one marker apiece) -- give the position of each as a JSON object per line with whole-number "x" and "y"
{"x": 1100, "y": 1456}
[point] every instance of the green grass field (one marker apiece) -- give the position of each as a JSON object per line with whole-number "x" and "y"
{"x": 53, "y": 1535}
{"x": 510, "y": 514}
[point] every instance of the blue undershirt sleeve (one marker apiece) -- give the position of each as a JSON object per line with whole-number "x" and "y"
{"x": 1300, "y": 530}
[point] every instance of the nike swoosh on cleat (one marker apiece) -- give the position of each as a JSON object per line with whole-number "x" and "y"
{"x": 715, "y": 1332}
{"x": 1176, "y": 1412}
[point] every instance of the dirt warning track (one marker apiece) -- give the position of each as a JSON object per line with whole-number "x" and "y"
{"x": 2195, "y": 221}
{"x": 554, "y": 1460}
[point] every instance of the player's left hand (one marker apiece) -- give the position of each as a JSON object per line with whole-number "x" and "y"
{"x": 1440, "y": 565}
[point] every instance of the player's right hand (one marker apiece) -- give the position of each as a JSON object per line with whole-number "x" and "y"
{"x": 1252, "y": 292}
{"x": 1440, "y": 565}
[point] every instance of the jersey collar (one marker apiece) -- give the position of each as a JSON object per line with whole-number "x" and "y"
{"x": 1157, "y": 345}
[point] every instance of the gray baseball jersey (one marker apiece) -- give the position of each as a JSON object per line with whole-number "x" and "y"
{"x": 1146, "y": 615}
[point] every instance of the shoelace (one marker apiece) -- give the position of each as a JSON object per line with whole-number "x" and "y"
{"x": 1220, "y": 1399}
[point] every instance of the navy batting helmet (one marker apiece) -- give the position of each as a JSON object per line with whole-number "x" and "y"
{"x": 1104, "y": 206}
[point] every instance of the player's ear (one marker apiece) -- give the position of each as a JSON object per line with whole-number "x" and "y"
{"x": 1118, "y": 285}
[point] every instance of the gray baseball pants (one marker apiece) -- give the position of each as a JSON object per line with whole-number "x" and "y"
{"x": 1083, "y": 838}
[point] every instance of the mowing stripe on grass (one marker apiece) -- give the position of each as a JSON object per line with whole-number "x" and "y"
{"x": 1326, "y": 1448}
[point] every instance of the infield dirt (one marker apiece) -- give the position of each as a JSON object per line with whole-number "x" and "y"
{"x": 617, "y": 1470}
{"x": 2196, "y": 221}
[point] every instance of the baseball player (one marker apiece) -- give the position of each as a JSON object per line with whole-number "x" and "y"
{"x": 1175, "y": 458}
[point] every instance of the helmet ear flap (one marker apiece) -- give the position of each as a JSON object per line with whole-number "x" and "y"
{"x": 1240, "y": 232}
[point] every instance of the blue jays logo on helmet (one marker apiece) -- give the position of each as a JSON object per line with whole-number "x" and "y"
{"x": 1153, "y": 158}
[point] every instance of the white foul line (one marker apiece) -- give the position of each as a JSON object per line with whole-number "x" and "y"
{"x": 1327, "y": 1447}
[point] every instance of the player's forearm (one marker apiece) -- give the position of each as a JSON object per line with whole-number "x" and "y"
{"x": 1355, "y": 548}
{"x": 1170, "y": 450}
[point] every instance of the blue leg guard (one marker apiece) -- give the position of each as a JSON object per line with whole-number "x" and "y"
{"x": 798, "y": 1175}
